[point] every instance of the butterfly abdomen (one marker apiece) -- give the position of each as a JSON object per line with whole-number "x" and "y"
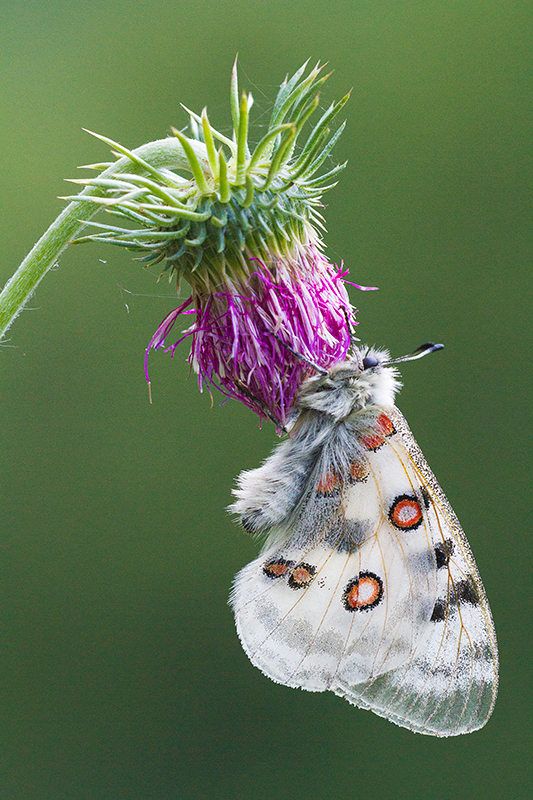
{"x": 267, "y": 496}
{"x": 321, "y": 459}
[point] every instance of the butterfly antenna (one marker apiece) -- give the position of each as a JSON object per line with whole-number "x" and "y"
{"x": 423, "y": 350}
{"x": 318, "y": 369}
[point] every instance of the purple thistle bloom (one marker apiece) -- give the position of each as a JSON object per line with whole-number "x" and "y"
{"x": 242, "y": 335}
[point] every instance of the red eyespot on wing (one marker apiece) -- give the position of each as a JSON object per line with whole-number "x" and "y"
{"x": 372, "y": 442}
{"x": 363, "y": 593}
{"x": 383, "y": 427}
{"x": 278, "y": 568}
{"x": 359, "y": 471}
{"x": 405, "y": 512}
{"x": 301, "y": 576}
{"x": 328, "y": 484}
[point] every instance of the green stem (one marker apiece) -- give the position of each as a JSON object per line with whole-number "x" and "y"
{"x": 162, "y": 153}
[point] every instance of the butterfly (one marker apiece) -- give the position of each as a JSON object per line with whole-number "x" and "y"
{"x": 366, "y": 584}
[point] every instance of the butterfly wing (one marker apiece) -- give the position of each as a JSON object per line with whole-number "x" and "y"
{"x": 383, "y": 604}
{"x": 448, "y": 686}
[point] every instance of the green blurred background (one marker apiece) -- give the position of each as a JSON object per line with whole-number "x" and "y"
{"x": 121, "y": 674}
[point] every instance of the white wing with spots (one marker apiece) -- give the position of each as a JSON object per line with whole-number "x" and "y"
{"x": 383, "y": 605}
{"x": 449, "y": 684}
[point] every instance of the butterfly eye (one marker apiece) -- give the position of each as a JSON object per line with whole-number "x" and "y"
{"x": 370, "y": 361}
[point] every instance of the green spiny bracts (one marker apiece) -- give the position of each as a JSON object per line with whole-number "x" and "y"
{"x": 236, "y": 204}
{"x": 241, "y": 226}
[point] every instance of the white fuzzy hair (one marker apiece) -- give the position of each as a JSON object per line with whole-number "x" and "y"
{"x": 330, "y": 415}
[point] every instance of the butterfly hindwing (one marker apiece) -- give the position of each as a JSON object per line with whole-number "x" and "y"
{"x": 312, "y": 618}
{"x": 371, "y": 591}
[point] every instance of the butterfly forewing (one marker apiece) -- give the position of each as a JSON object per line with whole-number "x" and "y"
{"x": 449, "y": 685}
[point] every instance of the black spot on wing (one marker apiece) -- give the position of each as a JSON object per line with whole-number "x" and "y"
{"x": 466, "y": 592}
{"x": 439, "y": 612}
{"x": 425, "y": 496}
{"x": 443, "y": 551}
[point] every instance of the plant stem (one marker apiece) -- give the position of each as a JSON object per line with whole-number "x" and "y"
{"x": 162, "y": 153}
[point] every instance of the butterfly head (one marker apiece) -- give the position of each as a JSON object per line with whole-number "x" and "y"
{"x": 353, "y": 385}
{"x": 368, "y": 378}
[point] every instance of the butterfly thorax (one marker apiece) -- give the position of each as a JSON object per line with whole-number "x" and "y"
{"x": 347, "y": 391}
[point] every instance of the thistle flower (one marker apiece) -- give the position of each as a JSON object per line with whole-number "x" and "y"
{"x": 242, "y": 229}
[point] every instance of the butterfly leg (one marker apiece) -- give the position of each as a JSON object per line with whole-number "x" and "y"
{"x": 260, "y": 405}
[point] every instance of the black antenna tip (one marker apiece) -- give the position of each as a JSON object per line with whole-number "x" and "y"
{"x": 428, "y": 347}
{"x": 423, "y": 350}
